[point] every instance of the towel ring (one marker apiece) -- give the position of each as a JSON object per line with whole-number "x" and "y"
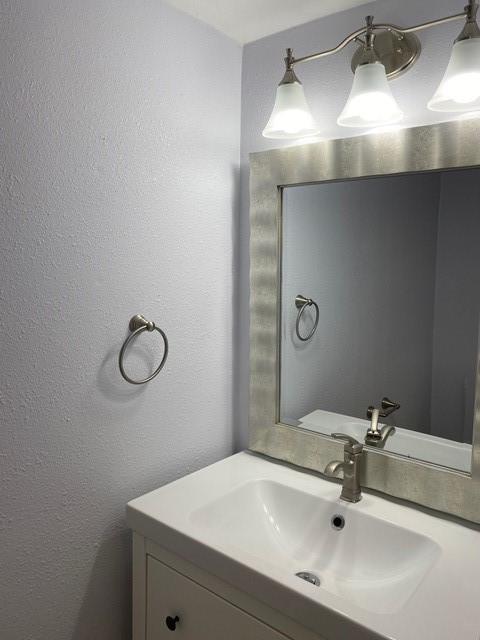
{"x": 301, "y": 302}
{"x": 137, "y": 325}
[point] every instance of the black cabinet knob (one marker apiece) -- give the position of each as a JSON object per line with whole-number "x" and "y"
{"x": 172, "y": 622}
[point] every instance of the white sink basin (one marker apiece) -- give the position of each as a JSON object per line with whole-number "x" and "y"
{"x": 370, "y": 562}
{"x": 389, "y": 573}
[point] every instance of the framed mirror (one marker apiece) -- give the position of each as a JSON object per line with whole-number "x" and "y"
{"x": 365, "y": 302}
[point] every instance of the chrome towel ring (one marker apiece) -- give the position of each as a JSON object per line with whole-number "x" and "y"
{"x": 302, "y": 303}
{"x": 137, "y": 325}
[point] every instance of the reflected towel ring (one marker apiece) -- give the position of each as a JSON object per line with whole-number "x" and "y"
{"x": 137, "y": 325}
{"x": 301, "y": 302}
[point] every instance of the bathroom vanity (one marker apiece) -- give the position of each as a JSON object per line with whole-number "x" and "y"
{"x": 365, "y": 275}
{"x": 220, "y": 550}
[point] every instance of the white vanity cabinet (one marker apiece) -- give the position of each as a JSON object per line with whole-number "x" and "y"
{"x": 174, "y": 599}
{"x": 222, "y": 549}
{"x": 176, "y": 603}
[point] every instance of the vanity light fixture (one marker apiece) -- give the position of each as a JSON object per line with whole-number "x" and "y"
{"x": 370, "y": 101}
{"x": 385, "y": 52}
{"x": 459, "y": 89}
{"x": 291, "y": 116}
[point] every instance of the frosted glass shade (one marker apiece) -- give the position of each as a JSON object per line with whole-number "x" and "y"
{"x": 459, "y": 89}
{"x": 291, "y": 117}
{"x": 370, "y": 103}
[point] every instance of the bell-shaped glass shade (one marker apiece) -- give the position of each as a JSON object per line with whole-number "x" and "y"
{"x": 370, "y": 103}
{"x": 459, "y": 89}
{"x": 291, "y": 117}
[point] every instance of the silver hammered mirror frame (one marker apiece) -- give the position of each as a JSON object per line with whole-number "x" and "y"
{"x": 450, "y": 145}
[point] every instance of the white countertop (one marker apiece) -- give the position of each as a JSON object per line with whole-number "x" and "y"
{"x": 192, "y": 516}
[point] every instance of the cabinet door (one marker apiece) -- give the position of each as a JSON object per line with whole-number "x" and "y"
{"x": 202, "y": 615}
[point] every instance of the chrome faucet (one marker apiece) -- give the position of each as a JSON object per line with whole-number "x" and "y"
{"x": 376, "y": 436}
{"x": 352, "y": 454}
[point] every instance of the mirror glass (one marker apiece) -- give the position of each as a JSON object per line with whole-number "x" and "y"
{"x": 388, "y": 268}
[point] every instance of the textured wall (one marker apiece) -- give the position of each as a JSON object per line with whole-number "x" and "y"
{"x": 120, "y": 148}
{"x": 365, "y": 250}
{"x": 327, "y": 84}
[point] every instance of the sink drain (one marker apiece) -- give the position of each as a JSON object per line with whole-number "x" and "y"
{"x": 309, "y": 577}
{"x": 337, "y": 522}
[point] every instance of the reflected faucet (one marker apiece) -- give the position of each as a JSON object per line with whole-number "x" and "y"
{"x": 377, "y": 437}
{"x": 352, "y": 453}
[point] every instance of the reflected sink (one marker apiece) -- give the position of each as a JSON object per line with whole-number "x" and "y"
{"x": 370, "y": 562}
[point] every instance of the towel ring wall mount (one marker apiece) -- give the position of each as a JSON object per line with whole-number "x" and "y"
{"x": 137, "y": 325}
{"x": 301, "y": 302}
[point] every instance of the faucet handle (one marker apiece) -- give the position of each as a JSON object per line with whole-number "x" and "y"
{"x": 351, "y": 443}
{"x": 389, "y": 404}
{"x": 346, "y": 437}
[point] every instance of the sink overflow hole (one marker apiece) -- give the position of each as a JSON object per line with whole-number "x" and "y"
{"x": 337, "y": 522}
{"x": 309, "y": 577}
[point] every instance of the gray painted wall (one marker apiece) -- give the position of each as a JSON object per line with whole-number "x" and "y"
{"x": 457, "y": 306}
{"x": 327, "y": 84}
{"x": 353, "y": 246}
{"x": 120, "y": 150}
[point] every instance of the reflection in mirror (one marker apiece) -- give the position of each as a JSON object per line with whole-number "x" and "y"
{"x": 391, "y": 267}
